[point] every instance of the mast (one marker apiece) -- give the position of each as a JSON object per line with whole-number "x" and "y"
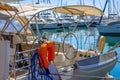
{"x": 83, "y": 2}
{"x": 103, "y": 11}
{"x": 93, "y": 2}
{"x": 61, "y": 3}
{"x": 80, "y": 2}
{"x": 109, "y": 8}
{"x": 38, "y": 2}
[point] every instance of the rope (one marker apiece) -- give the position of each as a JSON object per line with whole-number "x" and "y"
{"x": 40, "y": 72}
{"x": 57, "y": 71}
{"x": 115, "y": 46}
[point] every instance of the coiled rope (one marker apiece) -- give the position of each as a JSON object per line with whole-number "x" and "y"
{"x": 38, "y": 72}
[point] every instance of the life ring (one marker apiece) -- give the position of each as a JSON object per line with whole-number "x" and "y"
{"x": 101, "y": 43}
{"x": 47, "y": 53}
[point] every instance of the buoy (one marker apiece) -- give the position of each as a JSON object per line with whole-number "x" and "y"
{"x": 47, "y": 53}
{"x": 101, "y": 43}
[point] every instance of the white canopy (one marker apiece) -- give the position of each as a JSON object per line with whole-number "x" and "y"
{"x": 7, "y": 1}
{"x": 32, "y": 9}
{"x": 84, "y": 10}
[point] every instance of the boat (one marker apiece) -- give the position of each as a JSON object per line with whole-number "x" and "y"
{"x": 110, "y": 29}
{"x": 46, "y": 21}
{"x": 25, "y": 60}
{"x": 110, "y": 26}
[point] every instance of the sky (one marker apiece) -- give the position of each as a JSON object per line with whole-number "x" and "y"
{"x": 98, "y": 3}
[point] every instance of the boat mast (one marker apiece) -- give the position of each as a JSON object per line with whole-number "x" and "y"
{"x": 93, "y": 2}
{"x": 80, "y": 2}
{"x": 61, "y": 2}
{"x": 83, "y": 2}
{"x": 109, "y": 8}
{"x": 38, "y": 2}
{"x": 103, "y": 11}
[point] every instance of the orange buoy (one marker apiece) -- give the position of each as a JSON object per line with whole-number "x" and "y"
{"x": 43, "y": 55}
{"x": 51, "y": 50}
{"x": 47, "y": 53}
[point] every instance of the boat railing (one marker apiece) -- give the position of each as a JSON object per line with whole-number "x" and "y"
{"x": 16, "y": 71}
{"x": 20, "y": 64}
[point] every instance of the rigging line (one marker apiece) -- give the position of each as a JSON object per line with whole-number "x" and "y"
{"x": 114, "y": 6}
{"x": 26, "y": 23}
{"x": 14, "y": 26}
{"x": 6, "y": 23}
{"x": 89, "y": 31}
{"x": 23, "y": 20}
{"x": 9, "y": 21}
{"x": 57, "y": 71}
{"x": 63, "y": 27}
{"x": 100, "y": 4}
{"x": 115, "y": 46}
{"x": 23, "y": 14}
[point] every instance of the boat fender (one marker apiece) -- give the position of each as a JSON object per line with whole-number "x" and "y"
{"x": 47, "y": 53}
{"x": 101, "y": 43}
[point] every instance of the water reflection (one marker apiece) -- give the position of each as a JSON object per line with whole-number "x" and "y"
{"x": 112, "y": 40}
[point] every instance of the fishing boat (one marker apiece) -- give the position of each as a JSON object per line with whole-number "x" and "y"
{"x": 27, "y": 51}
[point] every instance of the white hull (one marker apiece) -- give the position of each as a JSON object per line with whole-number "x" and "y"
{"x": 50, "y": 25}
{"x": 95, "y": 67}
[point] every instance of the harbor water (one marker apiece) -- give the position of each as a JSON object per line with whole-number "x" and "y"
{"x": 82, "y": 38}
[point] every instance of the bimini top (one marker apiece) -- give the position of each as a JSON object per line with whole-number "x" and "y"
{"x": 7, "y": 7}
{"x": 84, "y": 10}
{"x": 6, "y": 11}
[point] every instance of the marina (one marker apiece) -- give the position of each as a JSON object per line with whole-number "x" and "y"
{"x": 61, "y": 53}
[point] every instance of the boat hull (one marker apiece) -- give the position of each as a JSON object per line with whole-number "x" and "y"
{"x": 113, "y": 30}
{"x": 96, "y": 69}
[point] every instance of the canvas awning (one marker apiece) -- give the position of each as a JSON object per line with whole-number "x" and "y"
{"x": 7, "y": 7}
{"x": 30, "y": 9}
{"x": 7, "y": 11}
{"x": 27, "y": 9}
{"x": 84, "y": 10}
{"x": 7, "y": 1}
